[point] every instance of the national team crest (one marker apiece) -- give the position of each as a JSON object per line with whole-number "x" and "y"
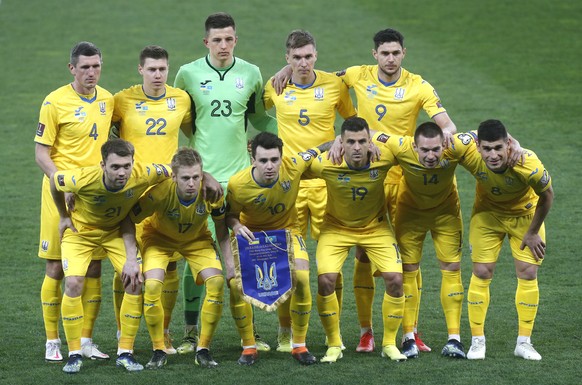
{"x": 102, "y": 108}
{"x": 399, "y": 93}
{"x": 201, "y": 209}
{"x": 286, "y": 185}
{"x": 129, "y": 194}
{"x": 508, "y": 180}
{"x": 265, "y": 268}
{"x": 318, "y": 93}
{"x": 171, "y": 102}
{"x": 239, "y": 83}
{"x": 371, "y": 91}
{"x": 374, "y": 174}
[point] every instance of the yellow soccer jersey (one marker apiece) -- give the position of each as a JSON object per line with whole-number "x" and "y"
{"x": 424, "y": 188}
{"x": 355, "y": 198}
{"x": 98, "y": 207}
{"x": 152, "y": 125}
{"x": 268, "y": 207}
{"x": 391, "y": 108}
{"x": 306, "y": 115}
{"x": 179, "y": 221}
{"x": 75, "y": 126}
{"x": 509, "y": 193}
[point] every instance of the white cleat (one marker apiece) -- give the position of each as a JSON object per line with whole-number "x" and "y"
{"x": 477, "y": 349}
{"x": 53, "y": 351}
{"x": 526, "y": 351}
{"x": 90, "y": 350}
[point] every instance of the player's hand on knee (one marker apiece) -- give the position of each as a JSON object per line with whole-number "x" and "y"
{"x": 535, "y": 244}
{"x": 131, "y": 275}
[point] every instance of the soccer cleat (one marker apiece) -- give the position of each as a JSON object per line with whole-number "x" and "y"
{"x": 169, "y": 349}
{"x": 189, "y": 342}
{"x": 262, "y": 346}
{"x": 392, "y": 352}
{"x": 526, "y": 351}
{"x": 90, "y": 350}
{"x": 74, "y": 364}
{"x": 341, "y": 340}
{"x": 248, "y": 357}
{"x": 53, "y": 351}
{"x": 409, "y": 349}
{"x": 204, "y": 359}
{"x": 302, "y": 355}
{"x": 477, "y": 349}
{"x": 128, "y": 362}
{"x": 421, "y": 345}
{"x": 332, "y": 354}
{"x": 366, "y": 344}
{"x": 454, "y": 349}
{"x": 283, "y": 342}
{"x": 158, "y": 360}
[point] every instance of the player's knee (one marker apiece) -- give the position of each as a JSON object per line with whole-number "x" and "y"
{"x": 153, "y": 289}
{"x": 54, "y": 269}
{"x": 94, "y": 269}
{"x": 74, "y": 286}
{"x": 410, "y": 266}
{"x": 303, "y": 289}
{"x": 483, "y": 270}
{"x": 326, "y": 283}
{"x": 393, "y": 283}
{"x": 215, "y": 286}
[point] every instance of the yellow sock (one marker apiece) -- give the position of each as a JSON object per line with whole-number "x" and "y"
{"x": 339, "y": 292}
{"x": 211, "y": 309}
{"x": 301, "y": 307}
{"x": 50, "y": 298}
{"x": 91, "y": 298}
{"x": 153, "y": 312}
{"x": 328, "y": 309}
{"x": 131, "y": 308}
{"x": 72, "y": 313}
{"x": 452, "y": 294}
{"x": 118, "y": 292}
{"x": 478, "y": 303}
{"x": 242, "y": 313}
{"x": 419, "y": 286}
{"x": 169, "y": 295}
{"x": 527, "y": 299}
{"x": 392, "y": 313}
{"x": 284, "y": 314}
{"x": 411, "y": 293}
{"x": 364, "y": 287}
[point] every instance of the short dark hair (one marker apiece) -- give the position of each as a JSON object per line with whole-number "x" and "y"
{"x": 153, "y": 52}
{"x": 219, "y": 20}
{"x": 185, "y": 157}
{"x": 428, "y": 130}
{"x": 267, "y": 141}
{"x": 355, "y": 124}
{"x": 388, "y": 35}
{"x": 84, "y": 48}
{"x": 299, "y": 38}
{"x": 491, "y": 130}
{"x": 118, "y": 147}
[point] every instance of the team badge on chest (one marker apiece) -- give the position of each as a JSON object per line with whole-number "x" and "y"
{"x": 239, "y": 83}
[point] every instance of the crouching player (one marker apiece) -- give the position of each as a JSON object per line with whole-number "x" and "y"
{"x": 175, "y": 220}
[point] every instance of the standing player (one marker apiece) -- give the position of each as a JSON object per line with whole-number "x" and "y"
{"x": 176, "y": 228}
{"x": 225, "y": 90}
{"x": 428, "y": 200}
{"x": 306, "y": 114}
{"x": 356, "y": 215}
{"x": 275, "y": 179}
{"x": 512, "y": 202}
{"x": 150, "y": 116}
{"x": 73, "y": 124}
{"x": 389, "y": 98}
{"x": 104, "y": 196}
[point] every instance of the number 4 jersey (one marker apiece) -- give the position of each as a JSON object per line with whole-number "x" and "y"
{"x": 75, "y": 126}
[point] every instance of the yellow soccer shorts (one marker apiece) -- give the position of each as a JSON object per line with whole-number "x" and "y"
{"x": 49, "y": 246}
{"x": 487, "y": 231}
{"x": 379, "y": 244}
{"x": 158, "y": 251}
{"x": 391, "y": 193}
{"x": 299, "y": 247}
{"x": 311, "y": 202}
{"x": 77, "y": 249}
{"x": 445, "y": 225}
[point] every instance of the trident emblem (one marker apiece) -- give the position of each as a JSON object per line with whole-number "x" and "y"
{"x": 264, "y": 281}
